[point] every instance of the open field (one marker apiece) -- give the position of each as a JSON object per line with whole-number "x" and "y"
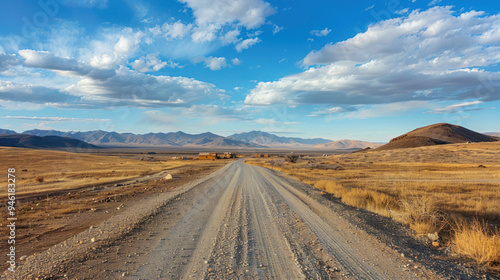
{"x": 62, "y": 193}
{"x": 40, "y": 171}
{"x": 427, "y": 188}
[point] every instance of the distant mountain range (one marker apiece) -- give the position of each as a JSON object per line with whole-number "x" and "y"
{"x": 271, "y": 140}
{"x": 436, "y": 134}
{"x": 494, "y": 134}
{"x": 42, "y": 142}
{"x": 346, "y": 144}
{"x": 253, "y": 139}
{"x": 7, "y": 132}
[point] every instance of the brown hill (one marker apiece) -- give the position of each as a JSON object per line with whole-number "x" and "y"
{"x": 436, "y": 134}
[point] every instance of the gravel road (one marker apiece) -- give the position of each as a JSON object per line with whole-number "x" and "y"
{"x": 241, "y": 222}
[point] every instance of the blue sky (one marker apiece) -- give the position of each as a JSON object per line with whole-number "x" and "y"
{"x": 368, "y": 70}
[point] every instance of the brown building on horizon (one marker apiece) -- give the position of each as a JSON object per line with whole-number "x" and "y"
{"x": 207, "y": 156}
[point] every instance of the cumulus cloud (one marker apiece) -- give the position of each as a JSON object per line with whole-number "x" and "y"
{"x": 215, "y": 63}
{"x": 46, "y": 60}
{"x": 111, "y": 47}
{"x": 104, "y": 87}
{"x": 16, "y": 92}
{"x": 321, "y": 33}
{"x": 426, "y": 55}
{"x": 245, "y": 44}
{"x": 129, "y": 88}
{"x": 7, "y": 61}
{"x": 231, "y": 37}
{"x": 249, "y": 13}
{"x": 151, "y": 63}
{"x": 205, "y": 33}
{"x": 235, "y": 61}
{"x": 176, "y": 30}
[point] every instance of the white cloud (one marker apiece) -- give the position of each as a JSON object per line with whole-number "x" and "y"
{"x": 455, "y": 107}
{"x": 426, "y": 55}
{"x": 321, "y": 33}
{"x": 205, "y": 33}
{"x": 16, "y": 92}
{"x": 254, "y": 34}
{"x": 96, "y": 88}
{"x": 369, "y": 8}
{"x": 111, "y": 47}
{"x": 328, "y": 111}
{"x": 235, "y": 61}
{"x": 231, "y": 37}
{"x": 46, "y": 60}
{"x": 434, "y": 2}
{"x": 129, "y": 88}
{"x": 245, "y": 44}
{"x": 176, "y": 30}
{"x": 249, "y": 13}
{"x": 277, "y": 29}
{"x": 403, "y": 11}
{"x": 151, "y": 63}
{"x": 7, "y": 61}
{"x": 215, "y": 63}
{"x": 126, "y": 45}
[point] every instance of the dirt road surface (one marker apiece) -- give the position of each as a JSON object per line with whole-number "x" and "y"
{"x": 243, "y": 222}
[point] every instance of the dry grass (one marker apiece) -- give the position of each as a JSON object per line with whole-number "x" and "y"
{"x": 40, "y": 171}
{"x": 476, "y": 241}
{"x": 420, "y": 187}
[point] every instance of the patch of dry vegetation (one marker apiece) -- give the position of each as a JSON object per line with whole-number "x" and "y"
{"x": 478, "y": 242}
{"x": 39, "y": 171}
{"x": 424, "y": 188}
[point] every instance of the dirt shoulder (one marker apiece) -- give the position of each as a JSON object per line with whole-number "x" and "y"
{"x": 51, "y": 217}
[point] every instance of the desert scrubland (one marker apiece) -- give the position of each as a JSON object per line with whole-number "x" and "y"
{"x": 450, "y": 193}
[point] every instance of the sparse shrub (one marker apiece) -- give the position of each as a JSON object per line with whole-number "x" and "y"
{"x": 476, "y": 241}
{"x": 39, "y": 179}
{"x": 421, "y": 215}
{"x": 277, "y": 163}
{"x": 292, "y": 158}
{"x": 324, "y": 166}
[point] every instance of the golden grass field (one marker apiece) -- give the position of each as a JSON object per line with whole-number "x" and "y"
{"x": 61, "y": 193}
{"x": 431, "y": 189}
{"x": 39, "y": 171}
